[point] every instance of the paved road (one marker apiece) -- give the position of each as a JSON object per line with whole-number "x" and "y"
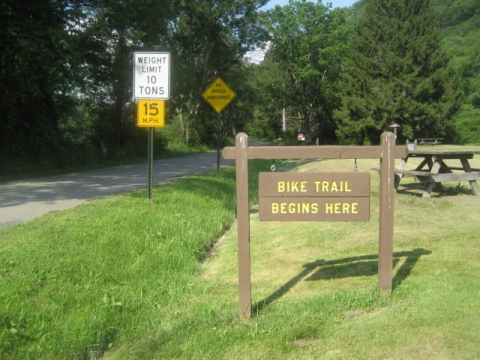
{"x": 26, "y": 199}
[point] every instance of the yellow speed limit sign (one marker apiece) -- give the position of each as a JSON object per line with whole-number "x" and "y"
{"x": 151, "y": 113}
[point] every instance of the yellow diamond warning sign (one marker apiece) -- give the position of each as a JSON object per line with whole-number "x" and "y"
{"x": 219, "y": 95}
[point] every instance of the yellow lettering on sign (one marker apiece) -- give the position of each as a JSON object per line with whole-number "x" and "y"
{"x": 303, "y": 184}
{"x": 354, "y": 208}
{"x": 294, "y": 208}
{"x": 326, "y": 186}
{"x": 341, "y": 208}
{"x": 274, "y": 208}
{"x": 292, "y": 186}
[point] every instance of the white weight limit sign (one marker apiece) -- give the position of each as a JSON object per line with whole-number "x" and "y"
{"x": 151, "y": 75}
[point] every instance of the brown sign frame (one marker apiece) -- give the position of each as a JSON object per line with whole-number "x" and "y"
{"x": 387, "y": 152}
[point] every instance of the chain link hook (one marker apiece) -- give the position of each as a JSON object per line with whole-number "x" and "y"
{"x": 273, "y": 167}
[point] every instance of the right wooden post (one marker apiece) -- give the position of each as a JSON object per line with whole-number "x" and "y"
{"x": 387, "y": 193}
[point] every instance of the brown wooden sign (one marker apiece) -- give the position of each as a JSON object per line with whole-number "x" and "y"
{"x": 314, "y": 196}
{"x": 338, "y": 189}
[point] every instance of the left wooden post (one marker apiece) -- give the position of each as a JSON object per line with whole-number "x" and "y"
{"x": 243, "y": 225}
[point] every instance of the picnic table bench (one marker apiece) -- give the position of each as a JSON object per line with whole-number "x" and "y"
{"x": 433, "y": 170}
{"x": 429, "y": 141}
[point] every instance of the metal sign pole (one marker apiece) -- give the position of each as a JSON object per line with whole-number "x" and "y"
{"x": 150, "y": 163}
{"x": 218, "y": 95}
{"x": 151, "y": 87}
{"x": 218, "y": 144}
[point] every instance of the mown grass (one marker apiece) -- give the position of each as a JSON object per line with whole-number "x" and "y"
{"x": 74, "y": 283}
{"x": 119, "y": 278}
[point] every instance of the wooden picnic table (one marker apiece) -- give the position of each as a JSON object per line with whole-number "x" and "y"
{"x": 433, "y": 170}
{"x": 429, "y": 141}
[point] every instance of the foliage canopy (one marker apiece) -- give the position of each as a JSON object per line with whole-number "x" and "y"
{"x": 340, "y": 74}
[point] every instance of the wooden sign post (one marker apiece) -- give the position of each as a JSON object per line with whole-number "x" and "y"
{"x": 349, "y": 198}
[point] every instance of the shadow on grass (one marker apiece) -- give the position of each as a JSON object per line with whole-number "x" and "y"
{"x": 418, "y": 189}
{"x": 365, "y": 265}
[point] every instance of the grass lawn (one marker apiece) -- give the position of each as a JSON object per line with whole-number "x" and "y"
{"x": 119, "y": 278}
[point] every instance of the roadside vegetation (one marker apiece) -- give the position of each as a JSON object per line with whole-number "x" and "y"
{"x": 80, "y": 158}
{"x": 119, "y": 278}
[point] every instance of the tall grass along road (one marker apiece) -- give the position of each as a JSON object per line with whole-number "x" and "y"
{"x": 24, "y": 200}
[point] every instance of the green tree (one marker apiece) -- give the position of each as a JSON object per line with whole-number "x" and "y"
{"x": 35, "y": 75}
{"x": 397, "y": 71}
{"x": 308, "y": 41}
{"x": 208, "y": 39}
{"x": 458, "y": 21}
{"x": 267, "y": 81}
{"x": 110, "y": 31}
{"x": 66, "y": 67}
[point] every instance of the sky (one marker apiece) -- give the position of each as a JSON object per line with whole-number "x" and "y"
{"x": 335, "y": 3}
